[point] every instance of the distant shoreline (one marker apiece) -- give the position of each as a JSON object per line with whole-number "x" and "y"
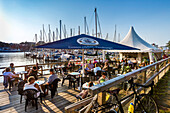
{"x": 9, "y": 51}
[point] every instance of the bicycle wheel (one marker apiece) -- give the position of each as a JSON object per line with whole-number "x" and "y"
{"x": 146, "y": 104}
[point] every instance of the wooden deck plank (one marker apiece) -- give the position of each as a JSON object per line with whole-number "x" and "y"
{"x": 11, "y": 102}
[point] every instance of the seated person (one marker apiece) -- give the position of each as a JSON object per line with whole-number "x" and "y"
{"x": 50, "y": 80}
{"x": 127, "y": 69}
{"x": 83, "y": 94}
{"x": 70, "y": 66}
{"x": 90, "y": 65}
{"x": 106, "y": 67}
{"x": 33, "y": 72}
{"x": 103, "y": 78}
{"x": 38, "y": 67}
{"x": 12, "y": 68}
{"x": 32, "y": 85}
{"x": 12, "y": 76}
{"x": 94, "y": 61}
{"x": 97, "y": 68}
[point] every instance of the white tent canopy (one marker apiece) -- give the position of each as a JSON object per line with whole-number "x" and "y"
{"x": 132, "y": 39}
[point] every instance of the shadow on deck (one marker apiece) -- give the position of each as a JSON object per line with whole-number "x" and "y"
{"x": 10, "y": 101}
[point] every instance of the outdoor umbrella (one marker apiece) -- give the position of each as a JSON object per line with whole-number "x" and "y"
{"x": 85, "y": 42}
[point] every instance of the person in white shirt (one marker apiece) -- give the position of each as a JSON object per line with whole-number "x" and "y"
{"x": 32, "y": 85}
{"x": 97, "y": 68}
{"x": 9, "y": 74}
{"x": 9, "y": 77}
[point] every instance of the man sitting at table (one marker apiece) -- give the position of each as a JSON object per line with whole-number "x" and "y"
{"x": 103, "y": 78}
{"x": 84, "y": 93}
{"x": 32, "y": 85}
{"x": 51, "y": 78}
{"x": 90, "y": 65}
{"x": 11, "y": 67}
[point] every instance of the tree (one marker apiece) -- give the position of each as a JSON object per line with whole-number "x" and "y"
{"x": 168, "y": 44}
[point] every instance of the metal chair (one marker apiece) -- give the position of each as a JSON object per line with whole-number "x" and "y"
{"x": 53, "y": 87}
{"x": 31, "y": 95}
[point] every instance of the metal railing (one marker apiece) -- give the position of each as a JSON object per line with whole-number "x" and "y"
{"x": 147, "y": 74}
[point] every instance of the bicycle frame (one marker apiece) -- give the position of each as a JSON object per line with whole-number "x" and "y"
{"x": 136, "y": 99}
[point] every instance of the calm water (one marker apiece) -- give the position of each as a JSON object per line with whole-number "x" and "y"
{"x": 17, "y": 58}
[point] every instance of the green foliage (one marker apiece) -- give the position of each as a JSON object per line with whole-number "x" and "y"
{"x": 168, "y": 44}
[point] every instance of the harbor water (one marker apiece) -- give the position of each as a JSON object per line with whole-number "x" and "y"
{"x": 17, "y": 58}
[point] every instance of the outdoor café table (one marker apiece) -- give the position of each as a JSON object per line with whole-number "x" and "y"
{"x": 86, "y": 85}
{"x": 39, "y": 82}
{"x": 75, "y": 75}
{"x": 58, "y": 67}
{"x": 22, "y": 73}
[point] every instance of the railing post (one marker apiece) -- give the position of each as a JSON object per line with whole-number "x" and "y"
{"x": 144, "y": 79}
{"x": 169, "y": 63}
{"x": 164, "y": 66}
{"x": 157, "y": 70}
{"x": 41, "y": 71}
{"x": 25, "y": 68}
{"x": 101, "y": 98}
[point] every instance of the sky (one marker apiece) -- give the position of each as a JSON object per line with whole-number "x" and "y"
{"x": 20, "y": 20}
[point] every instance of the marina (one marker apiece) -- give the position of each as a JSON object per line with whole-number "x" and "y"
{"x": 84, "y": 56}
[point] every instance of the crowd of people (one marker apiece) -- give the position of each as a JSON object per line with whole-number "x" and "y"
{"x": 92, "y": 68}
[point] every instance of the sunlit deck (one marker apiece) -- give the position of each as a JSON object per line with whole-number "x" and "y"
{"x": 10, "y": 101}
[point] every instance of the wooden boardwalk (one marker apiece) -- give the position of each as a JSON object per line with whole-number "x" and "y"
{"x": 10, "y": 101}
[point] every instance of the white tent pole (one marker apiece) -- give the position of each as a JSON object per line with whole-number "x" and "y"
{"x": 151, "y": 57}
{"x": 103, "y": 55}
{"x": 140, "y": 57}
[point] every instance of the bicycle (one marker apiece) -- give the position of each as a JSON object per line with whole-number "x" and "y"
{"x": 143, "y": 103}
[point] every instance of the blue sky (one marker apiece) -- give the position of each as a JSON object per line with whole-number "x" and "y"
{"x": 20, "y": 20}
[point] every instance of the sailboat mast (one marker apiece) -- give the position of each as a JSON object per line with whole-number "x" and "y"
{"x": 79, "y": 30}
{"x": 40, "y": 35}
{"x": 49, "y": 34}
{"x": 119, "y": 37}
{"x": 84, "y": 25}
{"x": 71, "y": 32}
{"x": 107, "y": 36}
{"x": 56, "y": 33}
{"x": 60, "y": 29}
{"x": 96, "y": 20}
{"x": 35, "y": 38}
{"x": 53, "y": 36}
{"x": 64, "y": 30}
{"x": 115, "y": 35}
{"x": 43, "y": 33}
